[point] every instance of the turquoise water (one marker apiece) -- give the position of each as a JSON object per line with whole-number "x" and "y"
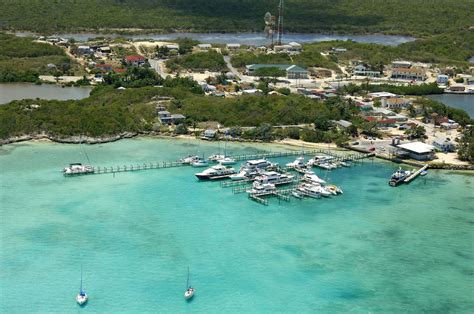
{"x": 373, "y": 249}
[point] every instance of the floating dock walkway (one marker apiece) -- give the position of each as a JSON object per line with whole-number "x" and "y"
{"x": 356, "y": 157}
{"x": 415, "y": 174}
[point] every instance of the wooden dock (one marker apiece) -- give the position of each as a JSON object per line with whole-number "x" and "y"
{"x": 356, "y": 157}
{"x": 415, "y": 174}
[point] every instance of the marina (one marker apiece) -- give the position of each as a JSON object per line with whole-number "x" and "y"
{"x": 358, "y": 157}
{"x": 139, "y": 233}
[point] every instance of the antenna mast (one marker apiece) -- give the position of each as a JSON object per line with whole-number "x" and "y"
{"x": 280, "y": 22}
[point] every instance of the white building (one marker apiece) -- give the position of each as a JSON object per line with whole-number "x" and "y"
{"x": 418, "y": 150}
{"x": 444, "y": 144}
{"x": 233, "y": 46}
{"x": 401, "y": 64}
{"x": 442, "y": 79}
{"x": 395, "y": 103}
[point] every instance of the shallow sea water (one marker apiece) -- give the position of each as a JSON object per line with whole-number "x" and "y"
{"x": 372, "y": 249}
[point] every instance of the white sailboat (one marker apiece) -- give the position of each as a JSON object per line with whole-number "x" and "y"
{"x": 189, "y": 293}
{"x": 81, "y": 297}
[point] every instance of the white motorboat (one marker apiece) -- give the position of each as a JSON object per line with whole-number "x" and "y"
{"x": 216, "y": 157}
{"x": 298, "y": 163}
{"x": 199, "y": 162}
{"x": 242, "y": 175}
{"x": 216, "y": 172}
{"x": 297, "y": 194}
{"x": 274, "y": 177}
{"x": 81, "y": 297}
{"x": 258, "y": 164}
{"x": 226, "y": 161}
{"x": 399, "y": 176}
{"x": 334, "y": 189}
{"x": 318, "y": 159}
{"x": 309, "y": 190}
{"x": 265, "y": 188}
{"x": 77, "y": 169}
{"x": 313, "y": 178}
{"x": 345, "y": 163}
{"x": 189, "y": 293}
{"x": 189, "y": 159}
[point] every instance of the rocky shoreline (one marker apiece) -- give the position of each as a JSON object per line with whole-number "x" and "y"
{"x": 68, "y": 140}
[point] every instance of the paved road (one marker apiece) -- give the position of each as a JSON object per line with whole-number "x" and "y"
{"x": 232, "y": 69}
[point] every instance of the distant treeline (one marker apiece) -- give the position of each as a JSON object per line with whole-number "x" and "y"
{"x": 419, "y": 17}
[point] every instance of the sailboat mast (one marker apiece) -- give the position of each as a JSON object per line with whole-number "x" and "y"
{"x": 81, "y": 277}
{"x": 187, "y": 282}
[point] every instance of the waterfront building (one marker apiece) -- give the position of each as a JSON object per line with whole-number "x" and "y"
{"x": 167, "y": 118}
{"x": 418, "y": 150}
{"x": 444, "y": 144}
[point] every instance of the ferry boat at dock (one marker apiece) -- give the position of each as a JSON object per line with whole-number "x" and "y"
{"x": 398, "y": 177}
{"x": 77, "y": 169}
{"x": 216, "y": 172}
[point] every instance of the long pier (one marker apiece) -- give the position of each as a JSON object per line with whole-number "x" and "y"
{"x": 415, "y": 174}
{"x": 356, "y": 157}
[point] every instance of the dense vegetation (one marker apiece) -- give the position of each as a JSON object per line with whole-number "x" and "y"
{"x": 449, "y": 48}
{"x": 356, "y": 16}
{"x": 414, "y": 90}
{"x": 199, "y": 61}
{"x": 22, "y": 60}
{"x": 106, "y": 112}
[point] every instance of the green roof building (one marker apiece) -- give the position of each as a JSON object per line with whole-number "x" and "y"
{"x": 292, "y": 71}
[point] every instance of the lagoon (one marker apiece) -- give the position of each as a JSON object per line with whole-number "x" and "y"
{"x": 255, "y": 39}
{"x": 465, "y": 102}
{"x": 18, "y": 91}
{"x": 372, "y": 249}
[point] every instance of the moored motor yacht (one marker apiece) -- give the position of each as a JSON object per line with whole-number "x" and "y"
{"x": 262, "y": 188}
{"x": 309, "y": 190}
{"x": 216, "y": 172}
{"x": 274, "y": 178}
{"x": 216, "y": 157}
{"x": 297, "y": 163}
{"x": 334, "y": 189}
{"x": 199, "y": 162}
{"x": 226, "y": 161}
{"x": 77, "y": 169}
{"x": 313, "y": 178}
{"x": 188, "y": 159}
{"x": 258, "y": 164}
